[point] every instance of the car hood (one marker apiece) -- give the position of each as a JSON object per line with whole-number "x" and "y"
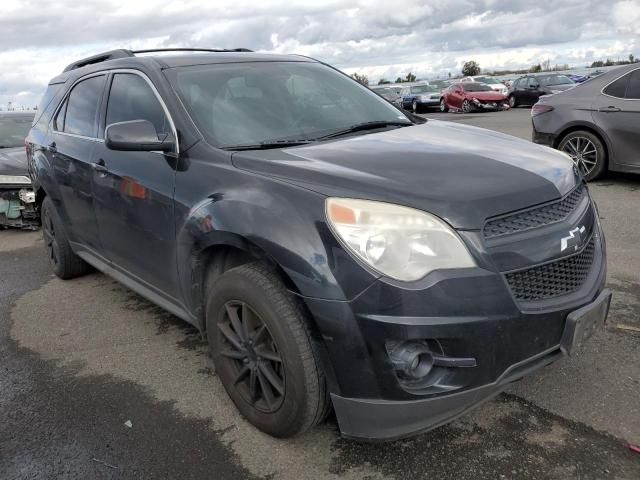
{"x": 13, "y": 161}
{"x": 461, "y": 173}
{"x": 487, "y": 96}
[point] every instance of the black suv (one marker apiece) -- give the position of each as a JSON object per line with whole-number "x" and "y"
{"x": 528, "y": 89}
{"x": 334, "y": 251}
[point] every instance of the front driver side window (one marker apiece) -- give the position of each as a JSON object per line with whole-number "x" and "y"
{"x": 131, "y": 98}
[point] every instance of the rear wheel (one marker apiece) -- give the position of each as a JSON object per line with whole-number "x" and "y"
{"x": 443, "y": 106}
{"x": 513, "y": 102}
{"x": 587, "y": 152}
{"x": 63, "y": 261}
{"x": 415, "y": 107}
{"x": 262, "y": 351}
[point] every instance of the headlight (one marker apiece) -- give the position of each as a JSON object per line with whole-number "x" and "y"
{"x": 399, "y": 242}
{"x": 556, "y": 91}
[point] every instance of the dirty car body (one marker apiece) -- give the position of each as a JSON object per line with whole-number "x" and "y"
{"x": 17, "y": 199}
{"x": 432, "y": 263}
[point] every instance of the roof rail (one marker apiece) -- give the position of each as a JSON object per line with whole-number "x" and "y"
{"x": 217, "y": 50}
{"x": 123, "y": 53}
{"x": 101, "y": 57}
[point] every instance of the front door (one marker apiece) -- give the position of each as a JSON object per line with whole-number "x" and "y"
{"x": 73, "y": 140}
{"x": 134, "y": 191}
{"x": 617, "y": 112}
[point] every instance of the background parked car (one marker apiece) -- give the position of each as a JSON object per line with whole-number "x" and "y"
{"x": 393, "y": 94}
{"x": 420, "y": 97}
{"x": 17, "y": 200}
{"x": 596, "y": 123}
{"x": 528, "y": 89}
{"x": 472, "y": 96}
{"x": 494, "y": 83}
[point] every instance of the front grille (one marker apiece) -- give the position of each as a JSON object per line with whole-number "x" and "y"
{"x": 535, "y": 217}
{"x": 552, "y": 279}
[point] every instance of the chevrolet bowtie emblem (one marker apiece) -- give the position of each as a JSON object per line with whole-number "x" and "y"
{"x": 573, "y": 240}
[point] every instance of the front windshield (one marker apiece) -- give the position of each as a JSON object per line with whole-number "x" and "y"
{"x": 251, "y": 103}
{"x": 14, "y": 129}
{"x": 476, "y": 87}
{"x": 554, "y": 80}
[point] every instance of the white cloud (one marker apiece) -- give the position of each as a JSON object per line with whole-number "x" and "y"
{"x": 378, "y": 37}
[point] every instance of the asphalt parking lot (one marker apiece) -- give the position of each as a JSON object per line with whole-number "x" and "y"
{"x": 95, "y": 382}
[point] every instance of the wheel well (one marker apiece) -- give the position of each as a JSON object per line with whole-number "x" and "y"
{"x": 40, "y": 194}
{"x": 217, "y": 259}
{"x": 585, "y": 128}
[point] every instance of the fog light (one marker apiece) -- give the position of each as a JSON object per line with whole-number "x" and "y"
{"x": 411, "y": 359}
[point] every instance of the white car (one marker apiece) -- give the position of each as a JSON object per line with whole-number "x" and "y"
{"x": 494, "y": 83}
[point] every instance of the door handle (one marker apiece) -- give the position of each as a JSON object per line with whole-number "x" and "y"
{"x": 52, "y": 147}
{"x": 100, "y": 166}
{"x": 609, "y": 109}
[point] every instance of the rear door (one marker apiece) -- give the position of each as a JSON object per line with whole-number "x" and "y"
{"x": 134, "y": 190}
{"x": 73, "y": 140}
{"x": 617, "y": 112}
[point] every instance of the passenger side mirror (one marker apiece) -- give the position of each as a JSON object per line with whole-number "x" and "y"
{"x": 137, "y": 136}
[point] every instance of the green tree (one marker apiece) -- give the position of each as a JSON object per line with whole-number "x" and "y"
{"x": 597, "y": 64}
{"x": 383, "y": 81}
{"x": 536, "y": 68}
{"x": 360, "y": 78}
{"x": 608, "y": 63}
{"x": 632, "y": 59}
{"x": 410, "y": 77}
{"x": 470, "y": 68}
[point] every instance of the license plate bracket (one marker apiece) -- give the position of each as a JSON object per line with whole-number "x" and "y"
{"x": 582, "y": 323}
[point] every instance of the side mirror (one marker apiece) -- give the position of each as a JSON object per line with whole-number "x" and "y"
{"x": 137, "y": 136}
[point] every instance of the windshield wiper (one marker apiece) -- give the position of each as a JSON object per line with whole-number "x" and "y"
{"x": 269, "y": 144}
{"x": 364, "y": 126}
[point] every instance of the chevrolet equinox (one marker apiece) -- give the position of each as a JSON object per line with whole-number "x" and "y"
{"x": 336, "y": 251}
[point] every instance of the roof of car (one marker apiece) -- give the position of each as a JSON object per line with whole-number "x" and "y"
{"x": 170, "y": 58}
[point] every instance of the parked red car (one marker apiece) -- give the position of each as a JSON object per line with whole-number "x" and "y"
{"x": 472, "y": 96}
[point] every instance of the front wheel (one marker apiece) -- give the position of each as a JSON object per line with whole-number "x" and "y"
{"x": 262, "y": 351}
{"x": 443, "y": 106}
{"x": 513, "y": 103}
{"x": 587, "y": 152}
{"x": 466, "y": 106}
{"x": 415, "y": 107}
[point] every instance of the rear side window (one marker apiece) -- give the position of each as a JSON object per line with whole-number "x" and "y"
{"x": 48, "y": 96}
{"x": 633, "y": 87}
{"x": 617, "y": 88}
{"x": 81, "y": 117}
{"x": 131, "y": 98}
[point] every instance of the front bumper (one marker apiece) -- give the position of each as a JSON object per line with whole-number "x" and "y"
{"x": 469, "y": 314}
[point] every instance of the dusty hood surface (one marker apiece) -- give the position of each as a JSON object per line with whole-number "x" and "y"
{"x": 462, "y": 174}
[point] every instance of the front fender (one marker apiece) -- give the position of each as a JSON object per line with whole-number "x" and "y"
{"x": 276, "y": 220}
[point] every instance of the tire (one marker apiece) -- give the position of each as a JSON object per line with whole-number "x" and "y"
{"x": 415, "y": 108}
{"x": 466, "y": 106}
{"x": 289, "y": 395}
{"x": 513, "y": 102}
{"x": 587, "y": 151}
{"x": 64, "y": 262}
{"x": 443, "y": 106}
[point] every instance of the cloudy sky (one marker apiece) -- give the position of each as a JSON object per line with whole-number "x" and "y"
{"x": 383, "y": 38}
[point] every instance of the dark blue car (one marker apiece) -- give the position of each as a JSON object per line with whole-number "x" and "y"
{"x": 420, "y": 97}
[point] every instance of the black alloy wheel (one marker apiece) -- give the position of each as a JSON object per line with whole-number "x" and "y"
{"x": 249, "y": 349}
